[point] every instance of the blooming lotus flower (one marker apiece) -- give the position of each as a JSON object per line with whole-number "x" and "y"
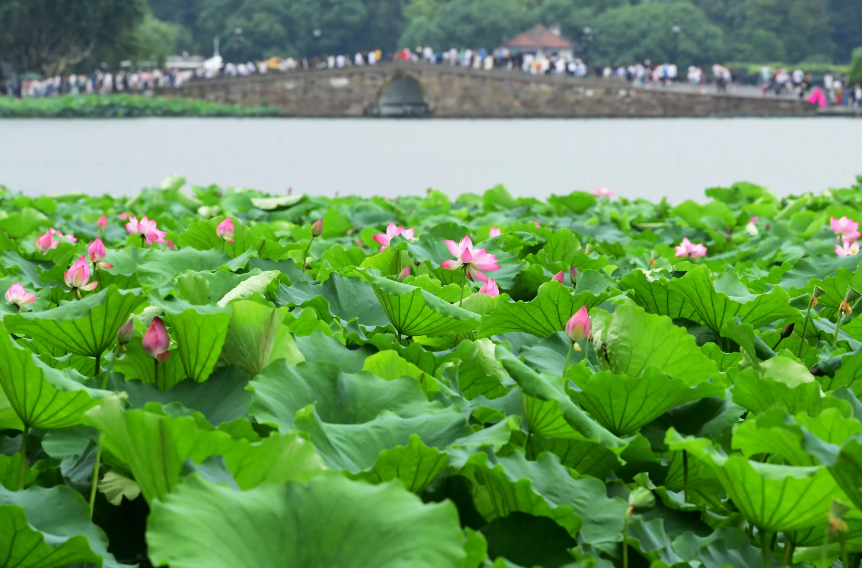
{"x": 156, "y": 341}
{"x": 578, "y": 326}
{"x": 317, "y": 228}
{"x": 225, "y": 230}
{"x": 559, "y": 277}
{"x": 751, "y": 227}
{"x": 402, "y": 276}
{"x": 603, "y": 192}
{"x": 475, "y": 261}
{"x": 688, "y": 249}
{"x": 18, "y": 296}
{"x": 102, "y": 223}
{"x": 697, "y": 251}
{"x": 123, "y": 216}
{"x": 46, "y": 242}
{"x": 96, "y": 251}
{"x": 495, "y": 232}
{"x": 78, "y": 277}
{"x": 490, "y": 288}
{"x": 391, "y": 232}
{"x": 147, "y": 229}
{"x": 847, "y": 249}
{"x": 70, "y": 238}
{"x": 845, "y": 229}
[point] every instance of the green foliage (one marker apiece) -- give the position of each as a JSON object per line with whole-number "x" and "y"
{"x": 116, "y": 106}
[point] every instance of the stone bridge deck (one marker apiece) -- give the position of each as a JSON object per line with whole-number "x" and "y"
{"x": 411, "y": 89}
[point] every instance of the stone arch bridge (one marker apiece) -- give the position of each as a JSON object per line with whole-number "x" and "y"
{"x": 422, "y": 89}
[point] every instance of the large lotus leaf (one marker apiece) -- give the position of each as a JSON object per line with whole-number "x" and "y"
{"x": 624, "y": 404}
{"x": 835, "y": 287}
{"x": 10, "y": 472}
{"x": 504, "y": 485}
{"x": 414, "y": 312}
{"x": 346, "y": 298}
{"x": 282, "y": 390}
{"x": 202, "y": 236}
{"x": 720, "y": 301}
{"x": 775, "y": 498}
{"x": 85, "y": 327}
{"x": 40, "y": 396}
{"x": 849, "y": 374}
{"x": 725, "y": 547}
{"x": 656, "y": 297}
{"x": 549, "y": 411}
{"x": 135, "y": 364}
{"x": 784, "y": 384}
{"x": 548, "y": 313}
{"x": 256, "y": 283}
{"x": 250, "y": 336}
{"x": 200, "y": 333}
{"x": 846, "y": 468}
{"x": 637, "y": 340}
{"x": 329, "y": 522}
{"x": 319, "y": 347}
{"x": 154, "y": 447}
{"x": 49, "y": 528}
{"x": 775, "y": 434}
{"x": 478, "y": 372}
{"x": 576, "y": 452}
{"x": 162, "y": 266}
{"x": 357, "y": 447}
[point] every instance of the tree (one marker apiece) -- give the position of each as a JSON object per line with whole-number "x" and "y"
{"x": 845, "y": 25}
{"x": 51, "y": 35}
{"x": 467, "y": 24}
{"x": 757, "y": 46}
{"x": 803, "y": 25}
{"x": 636, "y": 33}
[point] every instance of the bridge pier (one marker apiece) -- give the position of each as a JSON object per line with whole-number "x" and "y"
{"x": 421, "y": 89}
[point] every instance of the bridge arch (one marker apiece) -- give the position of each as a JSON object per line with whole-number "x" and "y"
{"x": 401, "y": 95}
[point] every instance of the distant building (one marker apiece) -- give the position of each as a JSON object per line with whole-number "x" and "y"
{"x": 540, "y": 39}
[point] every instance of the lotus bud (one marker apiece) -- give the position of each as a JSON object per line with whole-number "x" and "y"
{"x": 18, "y": 296}
{"x": 124, "y": 334}
{"x": 402, "y": 276}
{"x": 102, "y": 223}
{"x": 156, "y": 341}
{"x": 537, "y": 224}
{"x": 578, "y": 326}
{"x": 46, "y": 242}
{"x": 317, "y": 228}
{"x": 495, "y": 232}
{"x": 641, "y": 499}
{"x": 225, "y": 230}
{"x": 573, "y": 275}
{"x": 96, "y": 251}
{"x": 787, "y": 331}
{"x": 78, "y": 276}
{"x": 559, "y": 277}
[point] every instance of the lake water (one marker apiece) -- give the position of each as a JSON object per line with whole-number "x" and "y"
{"x": 651, "y": 158}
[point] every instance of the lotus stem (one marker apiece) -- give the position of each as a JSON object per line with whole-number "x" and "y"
{"x": 94, "y": 483}
{"x": 837, "y": 329}
{"x": 824, "y": 549}
{"x": 844, "y": 559}
{"x": 787, "y": 556}
{"x": 463, "y": 281}
{"x": 98, "y": 365}
{"x": 626, "y": 537}
{"x": 685, "y": 476}
{"x": 22, "y": 467}
{"x": 764, "y": 549}
{"x": 305, "y": 256}
{"x": 805, "y": 328}
{"x": 568, "y": 356}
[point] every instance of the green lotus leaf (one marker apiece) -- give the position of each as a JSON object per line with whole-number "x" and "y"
{"x": 251, "y": 336}
{"x": 785, "y": 384}
{"x": 84, "y": 327}
{"x": 382, "y": 526}
{"x": 200, "y": 333}
{"x": 718, "y": 302}
{"x": 346, "y": 298}
{"x": 548, "y": 313}
{"x": 202, "y": 236}
{"x": 10, "y": 472}
{"x": 135, "y": 364}
{"x": 656, "y": 297}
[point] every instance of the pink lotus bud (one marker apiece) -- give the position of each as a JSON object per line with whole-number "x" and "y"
{"x": 102, "y": 223}
{"x": 170, "y": 245}
{"x": 18, "y": 296}
{"x": 495, "y": 232}
{"x": 123, "y": 216}
{"x": 124, "y": 334}
{"x": 559, "y": 277}
{"x": 156, "y": 341}
{"x": 537, "y": 224}
{"x": 96, "y": 251}
{"x": 402, "y": 276}
{"x": 78, "y": 276}
{"x": 46, "y": 242}
{"x": 359, "y": 243}
{"x": 289, "y": 190}
{"x": 573, "y": 275}
{"x": 225, "y": 230}
{"x": 578, "y": 326}
{"x": 317, "y": 228}
{"x": 490, "y": 288}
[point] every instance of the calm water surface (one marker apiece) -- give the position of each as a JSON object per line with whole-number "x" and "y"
{"x": 677, "y": 158}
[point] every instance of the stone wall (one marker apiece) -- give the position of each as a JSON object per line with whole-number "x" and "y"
{"x": 454, "y": 92}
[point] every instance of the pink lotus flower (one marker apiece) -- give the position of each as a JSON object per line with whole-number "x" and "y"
{"x": 578, "y": 326}
{"x": 845, "y": 229}
{"x": 123, "y": 216}
{"x": 402, "y": 276}
{"x": 538, "y": 226}
{"x": 97, "y": 253}
{"x": 18, "y": 296}
{"x": 754, "y": 220}
{"x": 147, "y": 229}
{"x": 102, "y": 223}
{"x": 688, "y": 249}
{"x": 78, "y": 276}
{"x": 603, "y": 192}
{"x": 46, "y": 242}
{"x": 170, "y": 245}
{"x": 495, "y": 232}
{"x": 317, "y": 228}
{"x": 475, "y": 261}
{"x": 391, "y": 232}
{"x": 559, "y": 277}
{"x": 156, "y": 341}
{"x": 58, "y": 234}
{"x": 490, "y": 288}
{"x": 225, "y": 230}
{"x": 847, "y": 249}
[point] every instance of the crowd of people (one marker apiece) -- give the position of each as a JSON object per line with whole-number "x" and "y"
{"x": 834, "y": 90}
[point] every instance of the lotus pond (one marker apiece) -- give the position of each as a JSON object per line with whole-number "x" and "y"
{"x": 207, "y": 377}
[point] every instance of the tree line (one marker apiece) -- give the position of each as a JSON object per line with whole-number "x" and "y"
{"x": 54, "y": 35}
